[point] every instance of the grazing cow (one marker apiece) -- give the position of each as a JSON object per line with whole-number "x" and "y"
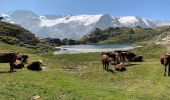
{"x": 8, "y": 58}
{"x": 120, "y": 66}
{"x": 36, "y": 66}
{"x": 165, "y": 60}
{"x": 105, "y": 61}
{"x": 23, "y": 58}
{"x": 123, "y": 55}
{"x": 130, "y": 56}
{"x": 18, "y": 64}
{"x": 111, "y": 55}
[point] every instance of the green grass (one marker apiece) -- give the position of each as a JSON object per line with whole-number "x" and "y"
{"x": 81, "y": 77}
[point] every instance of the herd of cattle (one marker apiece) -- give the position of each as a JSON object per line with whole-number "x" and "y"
{"x": 118, "y": 57}
{"x": 17, "y": 61}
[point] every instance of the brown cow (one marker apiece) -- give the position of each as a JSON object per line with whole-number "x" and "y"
{"x": 105, "y": 61}
{"x": 112, "y": 55}
{"x": 165, "y": 60}
{"x": 8, "y": 58}
{"x": 120, "y": 66}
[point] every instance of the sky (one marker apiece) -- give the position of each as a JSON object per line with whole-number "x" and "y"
{"x": 152, "y": 9}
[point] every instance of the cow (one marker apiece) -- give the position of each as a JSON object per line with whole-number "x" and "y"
{"x": 9, "y": 58}
{"x": 137, "y": 59}
{"x": 130, "y": 56}
{"x": 121, "y": 55}
{"x": 112, "y": 56}
{"x": 23, "y": 58}
{"x": 165, "y": 60}
{"x": 18, "y": 64}
{"x": 105, "y": 61}
{"x": 120, "y": 66}
{"x": 35, "y": 66}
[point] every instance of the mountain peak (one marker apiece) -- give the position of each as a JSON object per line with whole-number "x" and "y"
{"x": 74, "y": 26}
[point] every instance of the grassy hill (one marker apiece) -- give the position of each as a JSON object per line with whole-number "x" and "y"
{"x": 80, "y": 76}
{"x": 15, "y": 34}
{"x": 124, "y": 35}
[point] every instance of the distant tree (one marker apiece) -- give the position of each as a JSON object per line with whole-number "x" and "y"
{"x": 117, "y": 28}
{"x": 138, "y": 26}
{"x": 64, "y": 41}
{"x": 72, "y": 42}
{"x": 55, "y": 41}
{"x": 131, "y": 31}
{"x": 1, "y": 18}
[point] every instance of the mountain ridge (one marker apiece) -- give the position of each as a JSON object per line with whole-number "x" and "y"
{"x": 74, "y": 26}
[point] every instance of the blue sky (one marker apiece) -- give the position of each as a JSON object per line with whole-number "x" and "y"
{"x": 153, "y": 9}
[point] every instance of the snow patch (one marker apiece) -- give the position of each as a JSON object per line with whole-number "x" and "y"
{"x": 5, "y": 15}
{"x": 146, "y": 22}
{"x": 127, "y": 19}
{"x": 164, "y": 23}
{"x": 83, "y": 19}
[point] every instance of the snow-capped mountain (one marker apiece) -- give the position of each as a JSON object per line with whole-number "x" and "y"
{"x": 73, "y": 27}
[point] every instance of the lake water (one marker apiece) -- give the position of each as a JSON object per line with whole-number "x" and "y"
{"x": 92, "y": 48}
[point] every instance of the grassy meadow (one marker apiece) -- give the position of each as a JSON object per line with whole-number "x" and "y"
{"x": 81, "y": 77}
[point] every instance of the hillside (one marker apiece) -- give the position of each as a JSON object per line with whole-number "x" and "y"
{"x": 83, "y": 77}
{"x": 126, "y": 35}
{"x": 15, "y": 34}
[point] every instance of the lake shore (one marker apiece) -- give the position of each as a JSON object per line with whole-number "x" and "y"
{"x": 70, "y": 49}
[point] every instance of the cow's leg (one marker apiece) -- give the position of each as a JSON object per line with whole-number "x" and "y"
{"x": 11, "y": 67}
{"x": 120, "y": 58}
{"x": 103, "y": 65}
{"x": 114, "y": 60}
{"x": 165, "y": 71}
{"x": 169, "y": 70}
{"x": 107, "y": 65}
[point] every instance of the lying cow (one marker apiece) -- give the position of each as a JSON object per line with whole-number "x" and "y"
{"x": 18, "y": 64}
{"x": 9, "y": 58}
{"x": 120, "y": 66}
{"x": 36, "y": 66}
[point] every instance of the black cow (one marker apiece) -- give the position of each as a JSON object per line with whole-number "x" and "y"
{"x": 36, "y": 66}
